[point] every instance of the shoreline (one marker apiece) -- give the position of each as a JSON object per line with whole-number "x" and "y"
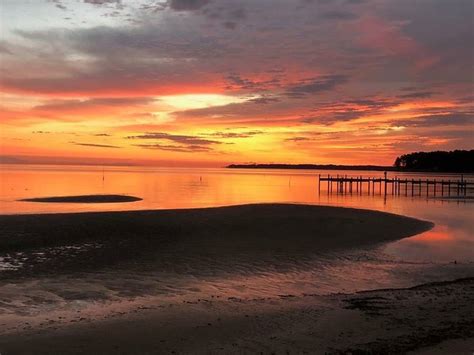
{"x": 379, "y": 168}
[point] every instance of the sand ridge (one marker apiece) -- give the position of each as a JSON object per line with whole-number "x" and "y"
{"x": 84, "y": 199}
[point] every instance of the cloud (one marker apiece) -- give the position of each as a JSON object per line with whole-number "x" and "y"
{"x": 339, "y": 15}
{"x": 237, "y": 82}
{"x": 59, "y": 4}
{"x": 95, "y": 145}
{"x": 417, "y": 95}
{"x": 178, "y": 138}
{"x": 102, "y": 2}
{"x": 448, "y": 119}
{"x": 242, "y": 112}
{"x": 333, "y": 112}
{"x": 73, "y": 104}
{"x": 175, "y": 142}
{"x": 4, "y": 48}
{"x": 226, "y": 134}
{"x": 264, "y": 100}
{"x": 187, "y": 5}
{"x": 305, "y": 64}
{"x": 316, "y": 85}
{"x": 175, "y": 148}
{"x": 297, "y": 139}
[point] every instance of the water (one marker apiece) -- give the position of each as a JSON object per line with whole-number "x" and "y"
{"x": 445, "y": 252}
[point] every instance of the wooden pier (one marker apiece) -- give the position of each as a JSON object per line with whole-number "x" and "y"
{"x": 395, "y": 186}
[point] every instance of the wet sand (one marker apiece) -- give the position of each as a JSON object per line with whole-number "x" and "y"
{"x": 398, "y": 320}
{"x": 262, "y": 226}
{"x": 55, "y": 243}
{"x": 390, "y": 321}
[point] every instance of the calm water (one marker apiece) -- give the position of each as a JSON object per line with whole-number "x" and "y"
{"x": 163, "y": 188}
{"x": 445, "y": 252}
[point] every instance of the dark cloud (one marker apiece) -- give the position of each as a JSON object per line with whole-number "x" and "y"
{"x": 181, "y": 143}
{"x": 177, "y": 138}
{"x": 95, "y": 145}
{"x": 339, "y": 15}
{"x": 332, "y": 112}
{"x": 466, "y": 99}
{"x": 244, "y": 111}
{"x": 102, "y": 2}
{"x": 441, "y": 27}
{"x": 439, "y": 120}
{"x": 246, "y": 134}
{"x": 378, "y": 103}
{"x": 316, "y": 85}
{"x": 417, "y": 95}
{"x": 59, "y": 105}
{"x": 235, "y": 81}
{"x": 297, "y": 139}
{"x": 175, "y": 148}
{"x": 347, "y": 115}
{"x": 264, "y": 100}
{"x": 187, "y": 5}
{"x": 4, "y": 48}
{"x": 165, "y": 53}
{"x": 59, "y": 4}
{"x": 122, "y": 59}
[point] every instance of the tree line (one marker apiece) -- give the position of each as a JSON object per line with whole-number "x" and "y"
{"x": 457, "y": 161}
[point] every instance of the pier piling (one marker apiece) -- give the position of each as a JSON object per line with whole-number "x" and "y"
{"x": 345, "y": 184}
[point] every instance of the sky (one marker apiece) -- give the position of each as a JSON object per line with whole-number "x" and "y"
{"x": 214, "y": 82}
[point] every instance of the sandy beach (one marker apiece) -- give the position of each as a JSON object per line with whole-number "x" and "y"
{"x": 390, "y": 321}
{"x": 219, "y": 232}
{"x": 138, "y": 242}
{"x": 84, "y": 199}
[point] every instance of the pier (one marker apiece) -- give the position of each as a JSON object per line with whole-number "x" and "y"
{"x": 395, "y": 186}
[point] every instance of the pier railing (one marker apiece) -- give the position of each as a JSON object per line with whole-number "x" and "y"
{"x": 395, "y": 185}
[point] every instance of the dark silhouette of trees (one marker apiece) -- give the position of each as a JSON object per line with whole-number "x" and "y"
{"x": 457, "y": 161}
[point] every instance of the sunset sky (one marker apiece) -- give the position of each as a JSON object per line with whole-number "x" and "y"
{"x": 213, "y": 82}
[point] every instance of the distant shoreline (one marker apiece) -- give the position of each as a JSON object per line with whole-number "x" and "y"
{"x": 311, "y": 167}
{"x": 335, "y": 167}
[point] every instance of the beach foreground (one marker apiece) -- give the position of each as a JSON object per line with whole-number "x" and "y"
{"x": 430, "y": 318}
{"x": 63, "y": 254}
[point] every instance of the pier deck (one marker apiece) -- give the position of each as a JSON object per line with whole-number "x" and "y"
{"x": 395, "y": 185}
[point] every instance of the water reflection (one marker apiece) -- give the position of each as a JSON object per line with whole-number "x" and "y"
{"x": 163, "y": 188}
{"x": 446, "y": 252}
